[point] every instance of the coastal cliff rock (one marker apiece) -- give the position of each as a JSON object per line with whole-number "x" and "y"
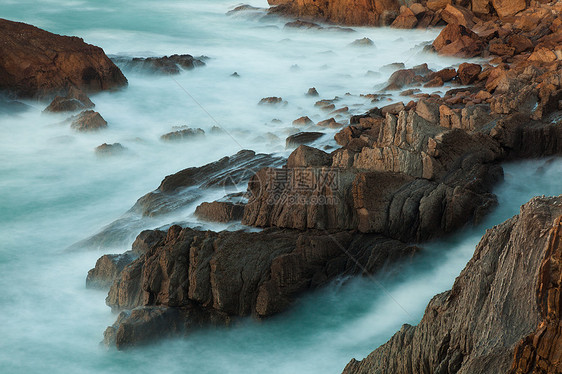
{"x": 541, "y": 351}
{"x": 37, "y": 63}
{"x": 399, "y": 14}
{"x": 508, "y": 288}
{"x": 218, "y": 276}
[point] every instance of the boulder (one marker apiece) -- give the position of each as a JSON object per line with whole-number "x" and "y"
{"x": 36, "y": 63}
{"x": 303, "y": 121}
{"x": 305, "y": 156}
{"x": 88, "y": 120}
{"x": 457, "y": 40}
{"x": 312, "y": 92}
{"x": 75, "y": 100}
{"x": 109, "y": 149}
{"x": 406, "y": 20}
{"x": 506, "y": 8}
{"x": 468, "y": 72}
{"x": 302, "y": 138}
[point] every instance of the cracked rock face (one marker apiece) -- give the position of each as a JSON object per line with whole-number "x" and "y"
{"x": 509, "y": 287}
{"x": 51, "y": 63}
{"x": 189, "y": 278}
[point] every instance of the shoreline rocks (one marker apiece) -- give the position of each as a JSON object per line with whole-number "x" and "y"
{"x": 52, "y": 63}
{"x": 405, "y": 173}
{"x": 490, "y": 314}
{"x": 233, "y": 274}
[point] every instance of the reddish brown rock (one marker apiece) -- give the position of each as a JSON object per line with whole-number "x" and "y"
{"x": 468, "y": 72}
{"x": 37, "y": 63}
{"x": 506, "y": 8}
{"x": 436, "y": 5}
{"x": 457, "y": 15}
{"x": 457, "y": 40}
{"x": 88, "y": 120}
{"x": 446, "y": 75}
{"x": 303, "y": 121}
{"x": 406, "y": 20}
{"x": 346, "y": 12}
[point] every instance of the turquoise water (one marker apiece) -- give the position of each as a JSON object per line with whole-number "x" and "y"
{"x": 54, "y": 191}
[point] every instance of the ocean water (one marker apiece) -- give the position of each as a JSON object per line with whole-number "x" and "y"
{"x": 55, "y": 191}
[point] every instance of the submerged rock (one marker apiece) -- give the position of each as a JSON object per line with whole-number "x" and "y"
{"x": 183, "y": 134}
{"x": 272, "y": 101}
{"x": 37, "y": 63}
{"x": 110, "y": 149}
{"x": 88, "y": 120}
{"x": 161, "y": 65}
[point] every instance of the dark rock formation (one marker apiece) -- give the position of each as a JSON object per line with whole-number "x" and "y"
{"x": 183, "y": 134}
{"x": 272, "y": 101}
{"x": 36, "y": 63}
{"x": 110, "y": 149}
{"x": 498, "y": 299}
{"x": 194, "y": 278}
{"x": 220, "y": 211}
{"x": 302, "y": 138}
{"x": 107, "y": 269}
{"x": 168, "y": 65}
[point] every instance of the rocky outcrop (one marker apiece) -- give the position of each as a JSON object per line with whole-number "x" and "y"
{"x": 219, "y": 276}
{"x": 540, "y": 352}
{"x": 399, "y": 14}
{"x": 506, "y": 290}
{"x": 401, "y": 176}
{"x": 167, "y": 65}
{"x": 37, "y": 63}
{"x": 346, "y": 12}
